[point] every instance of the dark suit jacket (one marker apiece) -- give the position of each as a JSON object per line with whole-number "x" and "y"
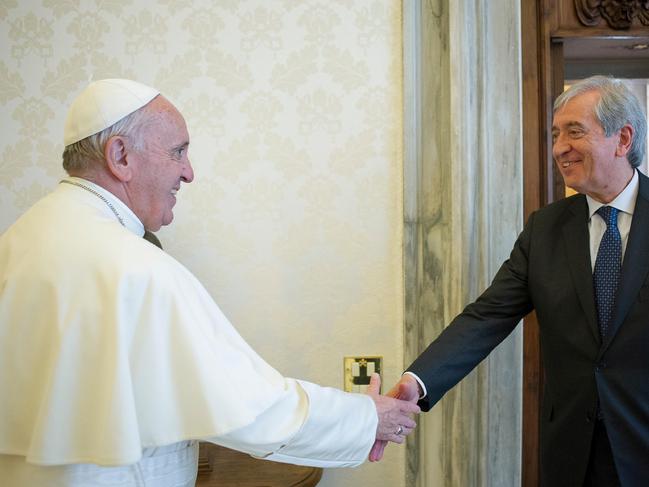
{"x": 549, "y": 270}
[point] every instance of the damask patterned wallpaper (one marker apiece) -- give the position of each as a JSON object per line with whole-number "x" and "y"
{"x": 294, "y": 107}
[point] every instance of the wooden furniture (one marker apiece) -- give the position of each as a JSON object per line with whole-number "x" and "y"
{"x": 222, "y": 467}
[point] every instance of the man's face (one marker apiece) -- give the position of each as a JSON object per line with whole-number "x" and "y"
{"x": 159, "y": 165}
{"x": 586, "y": 158}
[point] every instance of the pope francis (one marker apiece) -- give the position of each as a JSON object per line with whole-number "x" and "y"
{"x": 114, "y": 360}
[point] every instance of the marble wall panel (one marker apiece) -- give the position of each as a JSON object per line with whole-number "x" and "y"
{"x": 462, "y": 211}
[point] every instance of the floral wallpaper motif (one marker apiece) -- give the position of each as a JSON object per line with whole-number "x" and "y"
{"x": 293, "y": 222}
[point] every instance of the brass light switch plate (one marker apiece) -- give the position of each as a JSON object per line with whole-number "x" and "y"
{"x": 357, "y": 371}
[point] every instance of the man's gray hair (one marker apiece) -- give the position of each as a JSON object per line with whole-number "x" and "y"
{"x": 616, "y": 107}
{"x": 80, "y": 156}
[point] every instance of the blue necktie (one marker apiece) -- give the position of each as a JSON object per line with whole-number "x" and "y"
{"x": 606, "y": 275}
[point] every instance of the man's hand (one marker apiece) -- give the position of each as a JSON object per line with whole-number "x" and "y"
{"x": 407, "y": 389}
{"x": 395, "y": 422}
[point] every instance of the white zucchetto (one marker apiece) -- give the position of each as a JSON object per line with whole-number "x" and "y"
{"x": 102, "y": 104}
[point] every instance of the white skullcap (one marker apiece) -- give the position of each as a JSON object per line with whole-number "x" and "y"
{"x": 102, "y": 104}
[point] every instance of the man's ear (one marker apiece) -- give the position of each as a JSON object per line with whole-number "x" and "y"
{"x": 116, "y": 155}
{"x": 625, "y": 140}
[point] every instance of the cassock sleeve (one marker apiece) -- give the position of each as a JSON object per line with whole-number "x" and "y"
{"x": 311, "y": 425}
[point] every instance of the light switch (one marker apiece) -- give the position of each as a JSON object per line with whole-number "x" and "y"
{"x": 356, "y": 369}
{"x": 357, "y": 372}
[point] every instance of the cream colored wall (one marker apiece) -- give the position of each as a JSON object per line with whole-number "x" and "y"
{"x": 294, "y": 107}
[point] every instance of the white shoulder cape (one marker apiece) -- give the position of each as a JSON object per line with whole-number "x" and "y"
{"x": 109, "y": 345}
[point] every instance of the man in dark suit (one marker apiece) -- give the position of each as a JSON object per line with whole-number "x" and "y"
{"x": 584, "y": 268}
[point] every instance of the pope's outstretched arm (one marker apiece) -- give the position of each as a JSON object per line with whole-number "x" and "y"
{"x": 324, "y": 427}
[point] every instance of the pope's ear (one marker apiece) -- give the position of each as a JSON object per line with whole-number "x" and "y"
{"x": 117, "y": 160}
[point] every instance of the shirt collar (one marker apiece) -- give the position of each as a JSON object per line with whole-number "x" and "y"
{"x": 131, "y": 222}
{"x": 625, "y": 201}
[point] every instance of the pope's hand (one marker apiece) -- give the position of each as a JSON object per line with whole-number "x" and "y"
{"x": 395, "y": 421}
{"x": 407, "y": 389}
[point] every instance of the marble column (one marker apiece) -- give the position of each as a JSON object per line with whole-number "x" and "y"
{"x": 463, "y": 209}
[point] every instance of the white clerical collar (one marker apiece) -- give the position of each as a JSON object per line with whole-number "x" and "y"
{"x": 625, "y": 201}
{"x": 122, "y": 212}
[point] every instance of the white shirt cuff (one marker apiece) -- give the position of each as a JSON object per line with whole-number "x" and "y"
{"x": 421, "y": 384}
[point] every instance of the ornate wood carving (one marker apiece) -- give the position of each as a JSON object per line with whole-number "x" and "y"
{"x": 619, "y": 14}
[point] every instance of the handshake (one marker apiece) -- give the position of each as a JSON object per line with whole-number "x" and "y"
{"x": 395, "y": 412}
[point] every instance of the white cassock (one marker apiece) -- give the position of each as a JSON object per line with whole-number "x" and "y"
{"x": 112, "y": 352}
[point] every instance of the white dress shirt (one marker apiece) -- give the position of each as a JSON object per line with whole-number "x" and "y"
{"x": 624, "y": 203}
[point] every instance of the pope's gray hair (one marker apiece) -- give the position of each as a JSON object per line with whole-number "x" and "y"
{"x": 617, "y": 106}
{"x": 79, "y": 157}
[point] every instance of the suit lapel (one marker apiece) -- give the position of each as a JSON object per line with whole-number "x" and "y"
{"x": 576, "y": 240}
{"x": 636, "y": 261}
